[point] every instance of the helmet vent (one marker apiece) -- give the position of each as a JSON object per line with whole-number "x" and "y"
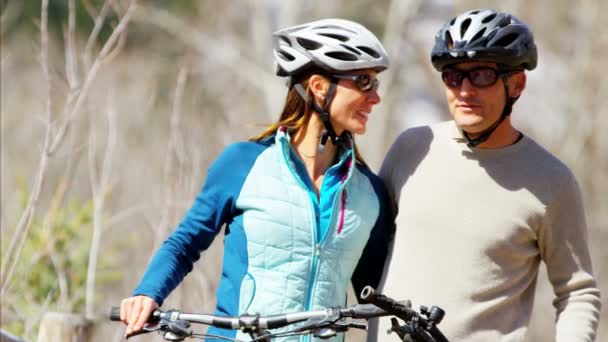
{"x": 464, "y": 26}
{"x": 353, "y": 50}
{"x": 507, "y": 40}
{"x": 285, "y": 40}
{"x": 334, "y": 36}
{"x": 308, "y": 44}
{"x": 478, "y": 35}
{"x": 343, "y": 56}
{"x": 488, "y": 18}
{"x": 474, "y": 12}
{"x": 452, "y": 21}
{"x": 286, "y": 56}
{"x": 369, "y": 51}
{"x": 449, "y": 42}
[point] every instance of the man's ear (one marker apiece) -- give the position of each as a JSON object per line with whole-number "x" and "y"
{"x": 318, "y": 87}
{"x": 517, "y": 84}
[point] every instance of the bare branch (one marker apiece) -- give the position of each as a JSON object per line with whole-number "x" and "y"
{"x": 19, "y": 236}
{"x": 70, "y": 49}
{"x": 99, "y": 204}
{"x": 110, "y": 145}
{"x": 99, "y": 21}
{"x": 92, "y": 73}
{"x": 92, "y": 164}
{"x": 118, "y": 48}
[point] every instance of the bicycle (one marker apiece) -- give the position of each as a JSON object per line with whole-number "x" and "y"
{"x": 420, "y": 326}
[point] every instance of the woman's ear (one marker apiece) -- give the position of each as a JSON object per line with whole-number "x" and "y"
{"x": 318, "y": 87}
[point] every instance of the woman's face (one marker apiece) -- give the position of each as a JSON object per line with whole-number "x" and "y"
{"x": 351, "y": 106}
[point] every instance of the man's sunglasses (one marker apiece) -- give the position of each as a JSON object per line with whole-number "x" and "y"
{"x": 479, "y": 77}
{"x": 364, "y": 82}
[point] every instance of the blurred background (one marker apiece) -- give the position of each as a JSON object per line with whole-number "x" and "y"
{"x": 111, "y": 112}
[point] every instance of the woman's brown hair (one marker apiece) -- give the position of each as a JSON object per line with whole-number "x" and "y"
{"x": 297, "y": 111}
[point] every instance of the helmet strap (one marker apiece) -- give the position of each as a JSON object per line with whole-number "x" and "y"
{"x": 485, "y": 135}
{"x": 329, "y": 132}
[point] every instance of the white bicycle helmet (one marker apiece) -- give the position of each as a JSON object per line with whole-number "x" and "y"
{"x": 335, "y": 45}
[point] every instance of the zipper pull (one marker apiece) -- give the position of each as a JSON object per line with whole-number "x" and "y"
{"x": 342, "y": 209}
{"x": 318, "y": 249}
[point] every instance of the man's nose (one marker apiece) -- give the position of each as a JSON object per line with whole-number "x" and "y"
{"x": 466, "y": 88}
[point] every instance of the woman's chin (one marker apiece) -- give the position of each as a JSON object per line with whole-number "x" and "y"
{"x": 359, "y": 130}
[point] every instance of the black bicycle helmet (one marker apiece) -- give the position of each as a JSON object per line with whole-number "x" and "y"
{"x": 485, "y": 35}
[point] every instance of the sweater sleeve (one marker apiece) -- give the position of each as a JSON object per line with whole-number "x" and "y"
{"x": 564, "y": 249}
{"x": 213, "y": 207}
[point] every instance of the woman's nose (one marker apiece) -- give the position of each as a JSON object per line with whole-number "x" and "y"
{"x": 374, "y": 97}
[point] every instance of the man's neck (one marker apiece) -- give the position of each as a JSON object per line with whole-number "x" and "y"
{"x": 504, "y": 135}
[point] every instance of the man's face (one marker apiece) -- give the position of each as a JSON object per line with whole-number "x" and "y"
{"x": 475, "y": 109}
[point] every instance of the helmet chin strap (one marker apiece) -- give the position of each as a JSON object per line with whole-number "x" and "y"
{"x": 329, "y": 132}
{"x": 485, "y": 135}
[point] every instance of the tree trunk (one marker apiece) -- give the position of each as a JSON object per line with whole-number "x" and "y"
{"x": 64, "y": 327}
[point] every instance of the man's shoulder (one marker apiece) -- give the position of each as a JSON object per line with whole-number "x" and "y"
{"x": 543, "y": 158}
{"x": 548, "y": 168}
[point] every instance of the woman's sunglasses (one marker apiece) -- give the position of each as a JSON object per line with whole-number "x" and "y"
{"x": 364, "y": 82}
{"x": 479, "y": 77}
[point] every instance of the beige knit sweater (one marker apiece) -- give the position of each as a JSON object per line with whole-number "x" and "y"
{"x": 473, "y": 226}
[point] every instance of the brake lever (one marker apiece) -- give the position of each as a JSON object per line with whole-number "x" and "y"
{"x": 175, "y": 330}
{"x": 345, "y": 325}
{"x": 327, "y": 329}
{"x": 401, "y": 331}
{"x": 146, "y": 329}
{"x": 324, "y": 333}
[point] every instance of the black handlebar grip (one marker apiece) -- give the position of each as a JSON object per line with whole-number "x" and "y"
{"x": 436, "y": 314}
{"x": 364, "y": 311}
{"x": 115, "y": 313}
{"x": 368, "y": 294}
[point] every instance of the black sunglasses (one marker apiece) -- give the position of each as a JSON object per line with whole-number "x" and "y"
{"x": 364, "y": 82}
{"x": 479, "y": 77}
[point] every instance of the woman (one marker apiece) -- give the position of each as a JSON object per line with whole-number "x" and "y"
{"x": 304, "y": 214}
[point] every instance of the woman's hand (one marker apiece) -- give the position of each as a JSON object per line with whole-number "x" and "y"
{"x": 135, "y": 311}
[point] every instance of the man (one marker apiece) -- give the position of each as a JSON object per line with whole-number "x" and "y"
{"x": 480, "y": 204}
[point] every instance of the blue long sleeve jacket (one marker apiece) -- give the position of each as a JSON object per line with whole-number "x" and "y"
{"x": 285, "y": 249}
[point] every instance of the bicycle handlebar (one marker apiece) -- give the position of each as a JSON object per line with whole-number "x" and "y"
{"x": 177, "y": 323}
{"x": 363, "y": 311}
